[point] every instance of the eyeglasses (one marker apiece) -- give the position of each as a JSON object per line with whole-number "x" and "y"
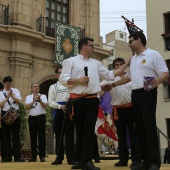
{"x": 90, "y": 45}
{"x": 59, "y": 73}
{"x": 131, "y": 41}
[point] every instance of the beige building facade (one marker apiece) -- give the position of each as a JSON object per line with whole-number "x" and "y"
{"x": 158, "y": 36}
{"x": 28, "y": 55}
{"x": 116, "y": 42}
{"x": 27, "y": 52}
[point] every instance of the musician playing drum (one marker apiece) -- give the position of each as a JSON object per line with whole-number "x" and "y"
{"x": 10, "y": 97}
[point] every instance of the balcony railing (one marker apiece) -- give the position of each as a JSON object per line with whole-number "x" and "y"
{"x": 4, "y": 14}
{"x": 47, "y": 26}
{"x": 40, "y": 24}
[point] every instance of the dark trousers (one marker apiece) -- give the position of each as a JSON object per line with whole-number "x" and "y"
{"x": 11, "y": 132}
{"x": 144, "y": 107}
{"x": 96, "y": 148}
{"x": 37, "y": 128}
{"x": 64, "y": 129}
{"x": 2, "y": 144}
{"x": 85, "y": 116}
{"x": 126, "y": 120}
{"x": 167, "y": 155}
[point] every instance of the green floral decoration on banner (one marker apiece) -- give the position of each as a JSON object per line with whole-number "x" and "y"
{"x": 66, "y": 41}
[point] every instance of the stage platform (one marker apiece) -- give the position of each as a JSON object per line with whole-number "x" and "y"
{"x": 104, "y": 165}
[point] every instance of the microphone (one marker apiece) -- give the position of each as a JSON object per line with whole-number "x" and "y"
{"x": 86, "y": 71}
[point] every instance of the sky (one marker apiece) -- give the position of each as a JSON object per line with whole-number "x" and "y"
{"x": 112, "y": 10}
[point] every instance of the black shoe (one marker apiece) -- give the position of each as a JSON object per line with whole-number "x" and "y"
{"x": 71, "y": 163}
{"x": 153, "y": 167}
{"x": 2, "y": 158}
{"x": 42, "y": 159}
{"x": 89, "y": 166}
{"x": 19, "y": 160}
{"x": 32, "y": 160}
{"x": 56, "y": 162}
{"x": 6, "y": 160}
{"x": 137, "y": 166}
{"x": 120, "y": 163}
{"x": 96, "y": 160}
{"x": 77, "y": 166}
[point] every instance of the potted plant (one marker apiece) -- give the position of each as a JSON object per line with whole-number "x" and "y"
{"x": 48, "y": 119}
{"x": 23, "y": 126}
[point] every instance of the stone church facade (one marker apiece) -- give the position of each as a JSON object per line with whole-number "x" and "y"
{"x": 27, "y": 41}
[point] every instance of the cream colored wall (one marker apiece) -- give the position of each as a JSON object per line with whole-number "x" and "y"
{"x": 30, "y": 52}
{"x": 85, "y": 14}
{"x": 23, "y": 55}
{"x": 120, "y": 47}
{"x": 24, "y": 13}
{"x": 122, "y": 50}
{"x": 28, "y": 55}
{"x": 155, "y": 27}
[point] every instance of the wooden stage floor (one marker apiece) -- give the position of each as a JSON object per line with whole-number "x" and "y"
{"x": 104, "y": 165}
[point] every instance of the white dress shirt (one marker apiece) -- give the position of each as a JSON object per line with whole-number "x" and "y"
{"x": 57, "y": 93}
{"x": 119, "y": 94}
{"x": 74, "y": 68}
{"x": 37, "y": 108}
{"x": 6, "y": 106}
{"x": 150, "y": 63}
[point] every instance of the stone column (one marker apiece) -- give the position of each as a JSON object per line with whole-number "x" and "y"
{"x": 20, "y": 71}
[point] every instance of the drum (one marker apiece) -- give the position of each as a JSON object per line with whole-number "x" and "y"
{"x": 10, "y": 116}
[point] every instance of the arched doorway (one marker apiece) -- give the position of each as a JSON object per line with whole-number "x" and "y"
{"x": 44, "y": 87}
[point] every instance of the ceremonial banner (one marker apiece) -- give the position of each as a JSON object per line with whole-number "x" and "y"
{"x": 102, "y": 126}
{"x": 66, "y": 42}
{"x": 131, "y": 26}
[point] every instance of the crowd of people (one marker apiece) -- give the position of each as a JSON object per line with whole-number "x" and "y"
{"x": 79, "y": 81}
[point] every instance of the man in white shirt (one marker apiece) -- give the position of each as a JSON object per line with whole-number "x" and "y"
{"x": 84, "y": 73}
{"x": 10, "y": 97}
{"x": 145, "y": 63}
{"x": 36, "y": 104}
{"x": 123, "y": 118}
{"x": 62, "y": 125}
